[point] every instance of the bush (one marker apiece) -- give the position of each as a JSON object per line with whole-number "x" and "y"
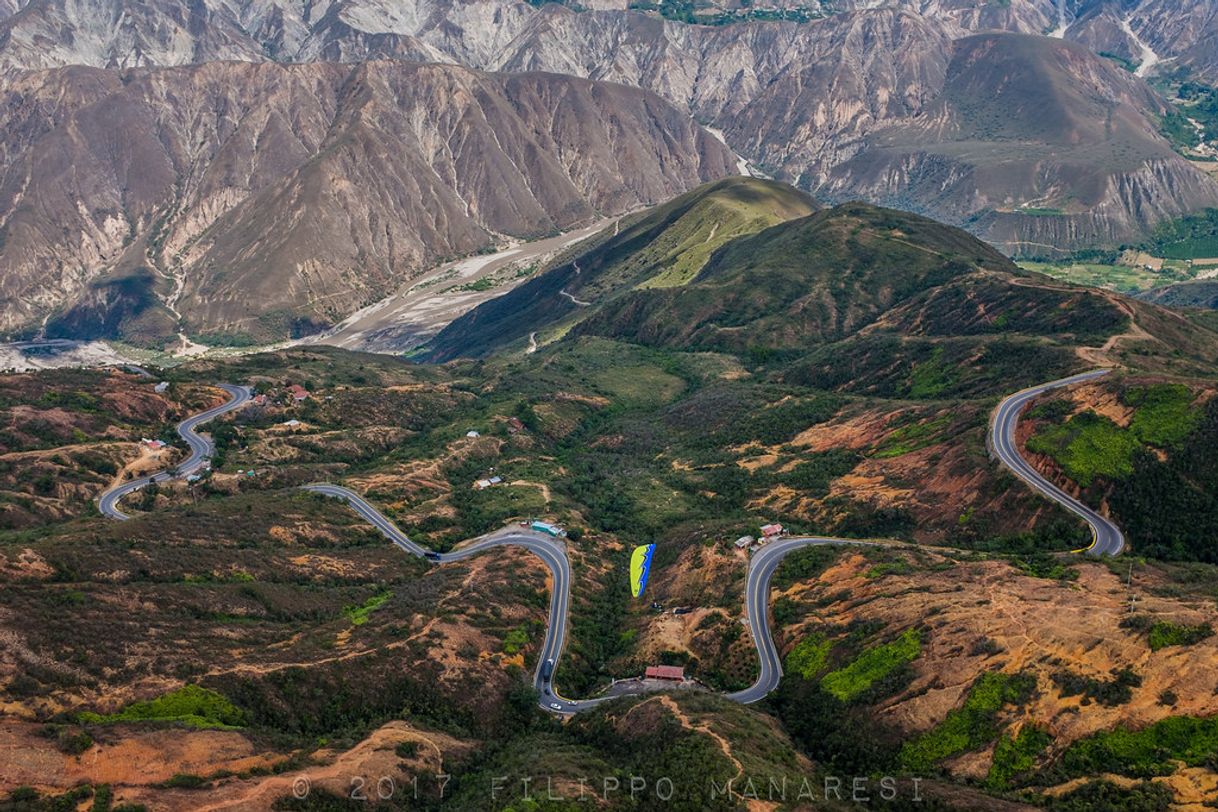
{"x": 809, "y": 656}
{"x": 1146, "y": 753}
{"x": 970, "y": 726}
{"x": 1164, "y": 634}
{"x": 1015, "y": 756}
{"x": 184, "y": 781}
{"x": 872, "y": 666}
{"x": 189, "y": 705}
{"x": 1143, "y": 797}
{"x": 1110, "y": 693}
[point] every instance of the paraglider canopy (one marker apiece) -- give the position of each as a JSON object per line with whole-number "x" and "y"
{"x": 640, "y": 567}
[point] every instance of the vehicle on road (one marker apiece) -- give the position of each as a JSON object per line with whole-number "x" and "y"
{"x": 547, "y": 528}
{"x": 201, "y": 451}
{"x": 762, "y": 566}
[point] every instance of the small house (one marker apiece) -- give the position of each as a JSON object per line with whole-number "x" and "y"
{"x": 673, "y": 673}
{"x": 771, "y": 531}
{"x": 745, "y": 542}
{"x": 298, "y": 392}
{"x": 472, "y": 434}
{"x": 161, "y": 387}
{"x": 514, "y": 425}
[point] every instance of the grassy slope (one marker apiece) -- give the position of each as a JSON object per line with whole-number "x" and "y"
{"x": 636, "y": 438}
{"x": 665, "y": 247}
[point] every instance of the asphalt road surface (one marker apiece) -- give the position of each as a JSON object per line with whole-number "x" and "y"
{"x": 1107, "y": 538}
{"x": 200, "y": 449}
{"x": 551, "y": 551}
{"x": 757, "y": 602}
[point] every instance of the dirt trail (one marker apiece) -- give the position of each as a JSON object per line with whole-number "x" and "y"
{"x": 1100, "y": 356}
{"x": 371, "y": 762}
{"x": 724, "y": 744}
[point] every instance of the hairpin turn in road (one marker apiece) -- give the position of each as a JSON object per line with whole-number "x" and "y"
{"x": 200, "y": 449}
{"x": 1108, "y": 540}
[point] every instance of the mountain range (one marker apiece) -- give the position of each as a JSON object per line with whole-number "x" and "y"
{"x": 257, "y": 200}
{"x": 961, "y": 111}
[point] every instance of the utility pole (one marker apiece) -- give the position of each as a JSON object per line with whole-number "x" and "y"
{"x": 1129, "y": 586}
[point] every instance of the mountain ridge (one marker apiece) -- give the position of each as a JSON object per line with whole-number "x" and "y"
{"x": 269, "y": 196}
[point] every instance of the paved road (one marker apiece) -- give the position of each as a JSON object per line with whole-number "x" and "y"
{"x": 200, "y": 449}
{"x": 1108, "y": 540}
{"x": 551, "y": 551}
{"x": 757, "y": 601}
{"x": 1106, "y": 537}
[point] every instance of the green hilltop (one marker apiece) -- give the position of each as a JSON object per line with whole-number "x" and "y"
{"x": 662, "y": 248}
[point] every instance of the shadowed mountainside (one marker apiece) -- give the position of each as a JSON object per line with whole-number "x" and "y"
{"x": 263, "y": 201}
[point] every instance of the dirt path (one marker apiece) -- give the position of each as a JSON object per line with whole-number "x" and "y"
{"x": 1101, "y": 356}
{"x": 688, "y": 724}
{"x": 370, "y": 763}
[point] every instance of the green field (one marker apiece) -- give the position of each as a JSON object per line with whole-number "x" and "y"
{"x": 972, "y": 725}
{"x": 1146, "y": 753}
{"x": 1089, "y": 445}
{"x": 809, "y": 657}
{"x": 1111, "y": 276}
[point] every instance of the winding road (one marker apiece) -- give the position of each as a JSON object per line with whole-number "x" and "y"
{"x": 1107, "y": 540}
{"x": 1106, "y": 537}
{"x": 552, "y": 553}
{"x": 200, "y": 449}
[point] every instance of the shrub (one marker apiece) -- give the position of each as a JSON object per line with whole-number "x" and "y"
{"x": 1164, "y": 634}
{"x": 873, "y": 665}
{"x": 809, "y": 656}
{"x": 1016, "y": 755}
{"x": 190, "y": 705}
{"x": 1112, "y": 692}
{"x": 970, "y": 726}
{"x": 1144, "y": 753}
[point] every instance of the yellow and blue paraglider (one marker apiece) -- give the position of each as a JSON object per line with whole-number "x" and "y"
{"x": 640, "y": 567}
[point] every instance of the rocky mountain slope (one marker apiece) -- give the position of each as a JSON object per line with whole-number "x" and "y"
{"x": 263, "y": 200}
{"x": 1035, "y": 145}
{"x": 1194, "y": 293}
{"x": 798, "y": 99}
{"x": 891, "y": 291}
{"x": 895, "y": 105}
{"x": 1152, "y": 35}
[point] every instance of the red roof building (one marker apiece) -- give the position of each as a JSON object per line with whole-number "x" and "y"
{"x": 771, "y": 530}
{"x": 671, "y": 672}
{"x": 298, "y": 392}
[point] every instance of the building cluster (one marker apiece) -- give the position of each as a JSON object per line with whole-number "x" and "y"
{"x": 292, "y": 393}
{"x": 769, "y": 532}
